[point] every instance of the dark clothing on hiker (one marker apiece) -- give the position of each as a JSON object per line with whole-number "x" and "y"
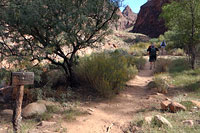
{"x": 163, "y": 45}
{"x": 152, "y": 53}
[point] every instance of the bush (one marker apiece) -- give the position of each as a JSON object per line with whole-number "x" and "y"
{"x": 161, "y": 83}
{"x": 177, "y": 52}
{"x": 106, "y": 73}
{"x": 162, "y": 65}
{"x": 139, "y": 49}
{"x": 4, "y": 77}
{"x": 137, "y": 61}
{"x": 179, "y": 65}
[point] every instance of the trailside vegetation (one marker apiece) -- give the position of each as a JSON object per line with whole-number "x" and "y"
{"x": 182, "y": 18}
{"x": 106, "y": 73}
{"x": 53, "y": 30}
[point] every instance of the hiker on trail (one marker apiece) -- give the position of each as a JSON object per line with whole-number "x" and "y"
{"x": 152, "y": 54}
{"x": 163, "y": 45}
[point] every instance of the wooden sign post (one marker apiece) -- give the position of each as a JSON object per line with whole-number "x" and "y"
{"x": 19, "y": 79}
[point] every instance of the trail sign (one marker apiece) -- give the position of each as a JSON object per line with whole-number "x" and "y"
{"x": 19, "y": 79}
{"x": 22, "y": 78}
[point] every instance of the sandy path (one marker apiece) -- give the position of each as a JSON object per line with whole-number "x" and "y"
{"x": 116, "y": 113}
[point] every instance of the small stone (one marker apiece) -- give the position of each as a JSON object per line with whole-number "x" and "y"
{"x": 148, "y": 119}
{"x": 188, "y": 122}
{"x": 46, "y": 123}
{"x": 159, "y": 94}
{"x": 89, "y": 113}
{"x": 194, "y": 107}
{"x": 168, "y": 99}
{"x": 162, "y": 121}
{"x": 47, "y": 131}
{"x": 185, "y": 94}
{"x": 135, "y": 129}
{"x": 198, "y": 121}
{"x": 175, "y": 107}
{"x": 165, "y": 105}
{"x": 92, "y": 110}
{"x": 148, "y": 98}
{"x": 196, "y": 103}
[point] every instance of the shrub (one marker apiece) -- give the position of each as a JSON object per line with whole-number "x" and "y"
{"x": 139, "y": 49}
{"x": 161, "y": 83}
{"x": 177, "y": 52}
{"x": 162, "y": 65}
{"x": 137, "y": 61}
{"x": 106, "y": 73}
{"x": 4, "y": 76}
{"x": 152, "y": 85}
{"x": 179, "y": 65}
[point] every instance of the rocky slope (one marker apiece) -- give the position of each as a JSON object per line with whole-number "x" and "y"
{"x": 127, "y": 19}
{"x": 148, "y": 21}
{"x": 130, "y": 16}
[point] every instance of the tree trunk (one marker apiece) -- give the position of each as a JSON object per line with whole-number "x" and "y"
{"x": 71, "y": 77}
{"x": 193, "y": 58}
{"x": 16, "y": 120}
{"x": 192, "y": 45}
{"x": 69, "y": 74}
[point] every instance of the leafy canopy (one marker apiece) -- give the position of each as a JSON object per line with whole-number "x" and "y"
{"x": 182, "y": 18}
{"x": 53, "y": 30}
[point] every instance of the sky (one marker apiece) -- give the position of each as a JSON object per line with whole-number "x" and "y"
{"x": 134, "y": 4}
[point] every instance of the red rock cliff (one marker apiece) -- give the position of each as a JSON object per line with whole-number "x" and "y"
{"x": 127, "y": 19}
{"x": 130, "y": 16}
{"x": 148, "y": 21}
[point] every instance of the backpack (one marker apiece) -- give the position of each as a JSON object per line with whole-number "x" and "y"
{"x": 163, "y": 43}
{"x": 153, "y": 51}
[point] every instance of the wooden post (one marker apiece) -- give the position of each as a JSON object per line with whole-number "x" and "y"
{"x": 18, "y": 109}
{"x": 19, "y": 79}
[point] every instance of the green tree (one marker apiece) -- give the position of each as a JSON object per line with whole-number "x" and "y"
{"x": 183, "y": 20}
{"x": 54, "y": 30}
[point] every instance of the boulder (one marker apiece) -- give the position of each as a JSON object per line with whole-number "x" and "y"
{"x": 196, "y": 103}
{"x": 159, "y": 120}
{"x": 175, "y": 107}
{"x": 33, "y": 109}
{"x": 148, "y": 21}
{"x": 165, "y": 105}
{"x": 188, "y": 122}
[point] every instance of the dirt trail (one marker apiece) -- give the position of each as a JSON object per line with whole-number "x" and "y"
{"x": 113, "y": 115}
